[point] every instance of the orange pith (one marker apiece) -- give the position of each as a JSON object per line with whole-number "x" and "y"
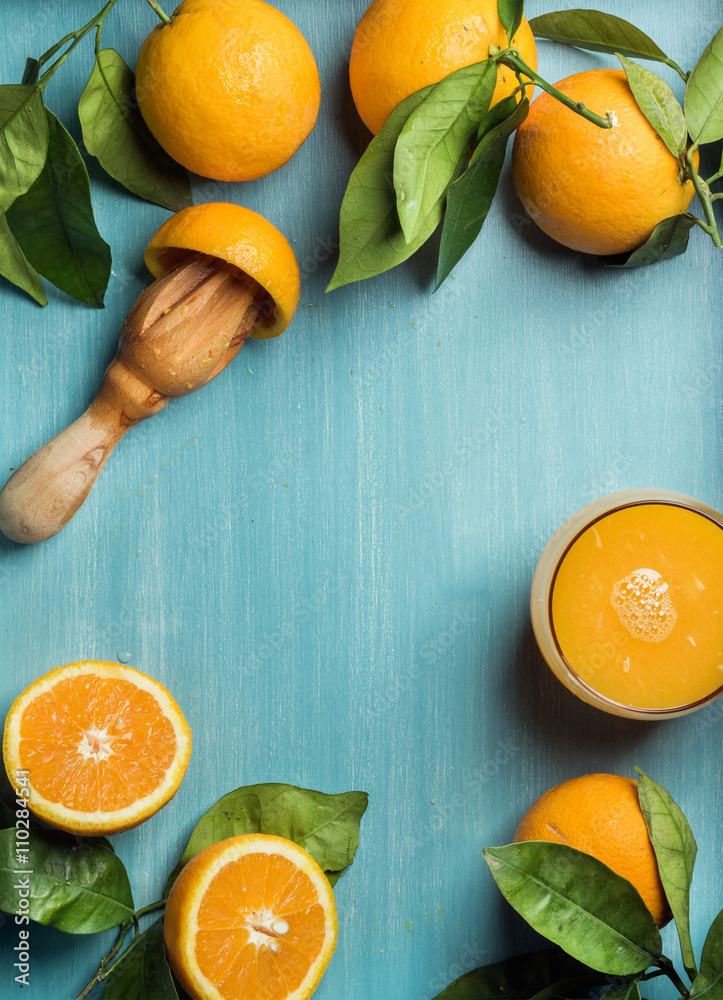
{"x": 103, "y": 745}
{"x": 401, "y": 46}
{"x": 250, "y": 918}
{"x": 600, "y": 815}
{"x": 241, "y": 237}
{"x": 599, "y": 191}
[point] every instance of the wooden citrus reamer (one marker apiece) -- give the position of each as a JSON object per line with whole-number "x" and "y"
{"x": 182, "y": 332}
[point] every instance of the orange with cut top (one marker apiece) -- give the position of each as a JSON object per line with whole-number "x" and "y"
{"x": 222, "y": 272}
{"x": 243, "y": 238}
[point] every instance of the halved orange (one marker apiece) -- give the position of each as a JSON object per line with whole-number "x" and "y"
{"x": 241, "y": 237}
{"x": 100, "y": 746}
{"x": 250, "y": 918}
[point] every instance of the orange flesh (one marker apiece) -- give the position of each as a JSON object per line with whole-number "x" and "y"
{"x": 251, "y": 893}
{"x": 661, "y": 648}
{"x": 95, "y": 743}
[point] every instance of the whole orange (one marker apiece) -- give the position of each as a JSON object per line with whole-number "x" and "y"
{"x": 229, "y": 88}
{"x": 601, "y": 191}
{"x": 401, "y": 46}
{"x": 600, "y": 815}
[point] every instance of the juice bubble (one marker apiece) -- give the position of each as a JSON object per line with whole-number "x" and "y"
{"x": 644, "y": 606}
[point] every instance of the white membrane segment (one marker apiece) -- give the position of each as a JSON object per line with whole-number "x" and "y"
{"x": 644, "y": 606}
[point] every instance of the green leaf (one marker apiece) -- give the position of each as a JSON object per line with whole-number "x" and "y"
{"x": 598, "y": 32}
{"x": 15, "y": 267}
{"x": 704, "y": 94}
{"x": 142, "y": 972}
{"x": 114, "y": 132}
{"x": 371, "y": 238}
{"x": 76, "y": 885}
{"x": 510, "y": 13}
{"x": 236, "y": 813}
{"x": 668, "y": 239}
{"x": 675, "y": 850}
{"x": 624, "y": 991}
{"x": 497, "y": 115}
{"x": 434, "y": 139}
{"x": 659, "y": 105}
{"x": 708, "y": 984}
{"x": 573, "y": 986}
{"x": 470, "y": 197}
{"x": 520, "y": 977}
{"x": 23, "y": 140}
{"x": 578, "y": 903}
{"x": 31, "y": 71}
{"x": 53, "y": 223}
{"x": 326, "y": 826}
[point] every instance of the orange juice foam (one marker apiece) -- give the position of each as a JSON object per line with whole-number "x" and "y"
{"x": 637, "y": 606}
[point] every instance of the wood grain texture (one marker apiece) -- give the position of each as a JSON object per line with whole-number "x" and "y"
{"x": 181, "y": 332}
{"x": 326, "y": 555}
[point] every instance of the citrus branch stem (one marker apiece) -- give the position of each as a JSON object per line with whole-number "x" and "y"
{"x": 652, "y": 975}
{"x": 108, "y": 963}
{"x": 511, "y": 58}
{"x": 667, "y": 967}
{"x": 99, "y": 976}
{"x": 704, "y": 196}
{"x": 56, "y": 48}
{"x": 74, "y": 37}
{"x": 162, "y": 14}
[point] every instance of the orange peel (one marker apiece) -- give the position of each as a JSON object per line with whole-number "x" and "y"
{"x": 600, "y": 814}
{"x": 239, "y": 236}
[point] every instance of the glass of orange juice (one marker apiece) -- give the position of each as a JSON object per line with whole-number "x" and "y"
{"x": 627, "y": 604}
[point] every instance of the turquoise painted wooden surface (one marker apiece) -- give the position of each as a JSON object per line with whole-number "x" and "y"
{"x": 326, "y": 554}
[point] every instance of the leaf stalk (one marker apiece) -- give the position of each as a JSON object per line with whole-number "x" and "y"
{"x": 655, "y": 974}
{"x": 701, "y": 225}
{"x": 681, "y": 72}
{"x": 705, "y": 196}
{"x": 74, "y": 38}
